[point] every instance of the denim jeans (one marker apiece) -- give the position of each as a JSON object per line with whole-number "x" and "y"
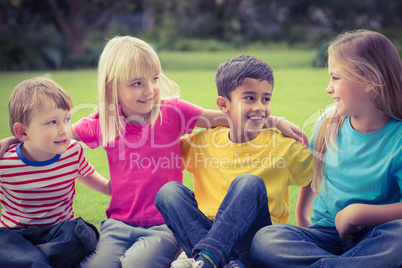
{"x": 123, "y": 245}
{"x": 243, "y": 211}
{"x": 60, "y": 245}
{"x": 292, "y": 246}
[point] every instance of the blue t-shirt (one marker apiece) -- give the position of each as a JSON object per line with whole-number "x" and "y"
{"x": 366, "y": 169}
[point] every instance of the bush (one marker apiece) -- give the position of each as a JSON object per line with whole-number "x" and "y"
{"x": 193, "y": 44}
{"x": 25, "y": 49}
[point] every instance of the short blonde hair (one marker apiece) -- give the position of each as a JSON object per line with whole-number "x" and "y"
{"x": 122, "y": 59}
{"x": 30, "y": 95}
{"x": 369, "y": 58}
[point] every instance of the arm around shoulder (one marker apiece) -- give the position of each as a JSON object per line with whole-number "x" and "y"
{"x": 288, "y": 129}
{"x": 214, "y": 118}
{"x": 5, "y": 143}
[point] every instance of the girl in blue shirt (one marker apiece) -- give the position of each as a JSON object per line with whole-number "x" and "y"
{"x": 357, "y": 211}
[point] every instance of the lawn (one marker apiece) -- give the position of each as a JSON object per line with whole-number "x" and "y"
{"x": 299, "y": 96}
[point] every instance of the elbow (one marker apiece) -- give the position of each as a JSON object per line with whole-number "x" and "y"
{"x": 108, "y": 188}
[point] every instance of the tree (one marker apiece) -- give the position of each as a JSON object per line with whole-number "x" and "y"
{"x": 76, "y": 18}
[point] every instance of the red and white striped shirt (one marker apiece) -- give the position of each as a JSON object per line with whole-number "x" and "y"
{"x": 40, "y": 193}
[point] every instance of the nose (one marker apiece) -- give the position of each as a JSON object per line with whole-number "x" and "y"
{"x": 329, "y": 89}
{"x": 259, "y": 106}
{"x": 149, "y": 89}
{"x": 62, "y": 129}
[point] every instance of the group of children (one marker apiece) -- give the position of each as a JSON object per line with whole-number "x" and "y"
{"x": 351, "y": 177}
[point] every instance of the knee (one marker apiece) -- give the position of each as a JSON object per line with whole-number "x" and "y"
{"x": 168, "y": 193}
{"x": 397, "y": 224}
{"x": 389, "y": 229}
{"x": 260, "y": 238}
{"x": 263, "y": 241}
{"x": 142, "y": 253}
{"x": 258, "y": 245}
{"x": 270, "y": 234}
{"x": 251, "y": 182}
{"x": 87, "y": 234}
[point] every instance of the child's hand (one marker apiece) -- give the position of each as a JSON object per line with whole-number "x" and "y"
{"x": 5, "y": 143}
{"x": 344, "y": 222}
{"x": 350, "y": 220}
{"x": 292, "y": 131}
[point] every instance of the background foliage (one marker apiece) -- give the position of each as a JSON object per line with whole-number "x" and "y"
{"x": 54, "y": 34}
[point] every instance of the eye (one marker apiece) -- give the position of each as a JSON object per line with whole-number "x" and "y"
{"x": 155, "y": 79}
{"x": 249, "y": 98}
{"x": 67, "y": 120}
{"x": 136, "y": 84}
{"x": 51, "y": 122}
{"x": 266, "y": 99}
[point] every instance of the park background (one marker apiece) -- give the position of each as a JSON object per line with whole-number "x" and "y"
{"x": 65, "y": 39}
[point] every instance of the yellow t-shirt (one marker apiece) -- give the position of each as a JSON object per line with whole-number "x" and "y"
{"x": 215, "y": 161}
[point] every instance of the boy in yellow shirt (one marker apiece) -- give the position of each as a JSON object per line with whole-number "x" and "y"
{"x": 238, "y": 172}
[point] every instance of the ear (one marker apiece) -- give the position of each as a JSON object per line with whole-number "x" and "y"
{"x": 109, "y": 89}
{"x": 369, "y": 88}
{"x": 223, "y": 104}
{"x": 19, "y": 130}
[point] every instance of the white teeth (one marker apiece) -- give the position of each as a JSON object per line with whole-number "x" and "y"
{"x": 256, "y": 117}
{"x": 144, "y": 101}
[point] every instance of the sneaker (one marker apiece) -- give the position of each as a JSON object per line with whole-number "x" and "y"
{"x": 187, "y": 263}
{"x": 234, "y": 264}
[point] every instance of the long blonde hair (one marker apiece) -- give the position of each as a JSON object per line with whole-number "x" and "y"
{"x": 370, "y": 58}
{"x": 122, "y": 59}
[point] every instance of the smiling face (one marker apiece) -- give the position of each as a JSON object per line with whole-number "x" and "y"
{"x": 351, "y": 97}
{"x": 46, "y": 134}
{"x": 138, "y": 96}
{"x": 248, "y": 109}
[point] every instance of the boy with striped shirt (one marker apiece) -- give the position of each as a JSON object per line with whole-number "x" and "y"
{"x": 37, "y": 181}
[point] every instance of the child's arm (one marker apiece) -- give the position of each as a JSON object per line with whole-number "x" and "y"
{"x": 97, "y": 182}
{"x": 351, "y": 219}
{"x": 288, "y": 129}
{"x": 304, "y": 205}
{"x": 75, "y": 134}
{"x": 213, "y": 118}
{"x": 5, "y": 143}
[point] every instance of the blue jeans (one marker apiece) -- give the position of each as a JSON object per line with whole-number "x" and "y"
{"x": 243, "y": 211}
{"x": 60, "y": 245}
{"x": 123, "y": 245}
{"x": 292, "y": 246}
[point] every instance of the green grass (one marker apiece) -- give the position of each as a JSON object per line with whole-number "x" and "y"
{"x": 298, "y": 95}
{"x": 276, "y": 58}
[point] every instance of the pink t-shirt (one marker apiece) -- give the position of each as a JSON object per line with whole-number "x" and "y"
{"x": 143, "y": 160}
